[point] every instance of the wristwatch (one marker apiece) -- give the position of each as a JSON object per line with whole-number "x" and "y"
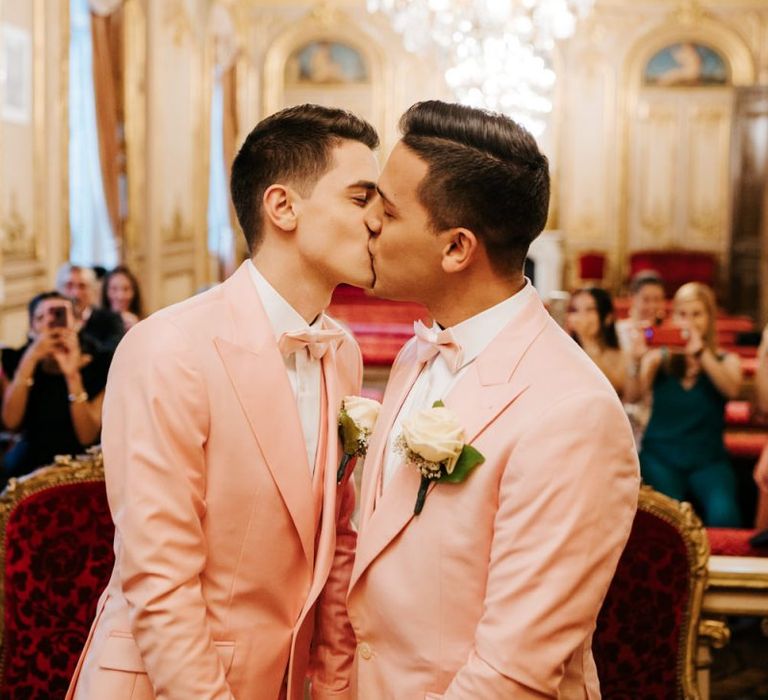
{"x": 82, "y": 397}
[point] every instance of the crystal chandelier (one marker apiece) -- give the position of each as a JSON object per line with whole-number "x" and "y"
{"x": 498, "y": 53}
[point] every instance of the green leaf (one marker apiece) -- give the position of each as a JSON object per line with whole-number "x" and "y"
{"x": 438, "y": 404}
{"x": 348, "y": 432}
{"x": 468, "y": 460}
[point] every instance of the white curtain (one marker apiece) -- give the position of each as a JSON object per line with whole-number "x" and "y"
{"x": 220, "y": 234}
{"x": 92, "y": 238}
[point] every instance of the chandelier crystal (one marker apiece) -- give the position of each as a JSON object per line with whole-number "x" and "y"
{"x": 497, "y": 53}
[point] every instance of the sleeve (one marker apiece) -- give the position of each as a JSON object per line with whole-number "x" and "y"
{"x": 334, "y": 646}
{"x": 155, "y": 428}
{"x": 567, "y": 500}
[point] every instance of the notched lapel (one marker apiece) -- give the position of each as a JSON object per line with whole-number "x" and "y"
{"x": 262, "y": 387}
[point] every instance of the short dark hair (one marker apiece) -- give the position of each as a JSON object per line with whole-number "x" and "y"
{"x": 136, "y": 306}
{"x": 643, "y": 279}
{"x": 486, "y": 173}
{"x": 293, "y": 145}
{"x": 38, "y": 299}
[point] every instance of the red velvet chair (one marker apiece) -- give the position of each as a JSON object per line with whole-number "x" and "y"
{"x": 592, "y": 268}
{"x": 648, "y": 628}
{"x": 57, "y": 558}
{"x": 676, "y": 267}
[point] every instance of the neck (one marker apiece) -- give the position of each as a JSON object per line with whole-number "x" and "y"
{"x": 454, "y": 304}
{"x": 291, "y": 278}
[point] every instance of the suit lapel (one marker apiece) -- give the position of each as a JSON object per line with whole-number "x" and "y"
{"x": 483, "y": 392}
{"x": 400, "y": 382}
{"x": 257, "y": 372}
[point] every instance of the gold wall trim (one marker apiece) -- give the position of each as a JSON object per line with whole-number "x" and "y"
{"x": 135, "y": 99}
{"x": 63, "y": 119}
{"x": 39, "y": 169}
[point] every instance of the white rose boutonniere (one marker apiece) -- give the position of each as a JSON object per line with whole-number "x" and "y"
{"x": 357, "y": 419}
{"x": 433, "y": 441}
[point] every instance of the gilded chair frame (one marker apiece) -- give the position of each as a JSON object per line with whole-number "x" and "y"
{"x": 65, "y": 470}
{"x": 682, "y": 517}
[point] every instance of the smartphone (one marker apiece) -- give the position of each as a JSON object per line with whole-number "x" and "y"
{"x": 671, "y": 336}
{"x": 59, "y": 318}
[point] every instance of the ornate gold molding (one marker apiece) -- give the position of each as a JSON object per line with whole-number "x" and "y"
{"x": 135, "y": 100}
{"x": 177, "y": 230}
{"x": 177, "y": 22}
{"x": 17, "y": 241}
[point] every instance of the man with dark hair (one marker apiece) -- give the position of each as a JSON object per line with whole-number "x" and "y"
{"x": 233, "y": 542}
{"x": 501, "y": 480}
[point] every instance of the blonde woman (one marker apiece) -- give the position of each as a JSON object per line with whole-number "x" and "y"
{"x": 683, "y": 454}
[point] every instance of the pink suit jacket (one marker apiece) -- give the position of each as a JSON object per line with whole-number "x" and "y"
{"x": 225, "y": 571}
{"x": 492, "y": 592}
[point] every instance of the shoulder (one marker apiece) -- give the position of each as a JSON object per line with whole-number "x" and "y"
{"x": 10, "y": 358}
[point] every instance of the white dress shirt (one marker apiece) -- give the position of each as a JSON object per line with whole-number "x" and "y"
{"x": 304, "y": 371}
{"x": 436, "y": 379}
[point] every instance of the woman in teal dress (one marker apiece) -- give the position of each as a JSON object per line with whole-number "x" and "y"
{"x": 683, "y": 454}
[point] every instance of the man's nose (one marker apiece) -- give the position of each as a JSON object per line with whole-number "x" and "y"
{"x": 373, "y": 223}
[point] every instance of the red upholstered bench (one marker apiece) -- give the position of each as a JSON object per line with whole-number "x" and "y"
{"x": 733, "y": 543}
{"x": 676, "y": 267}
{"x": 745, "y": 444}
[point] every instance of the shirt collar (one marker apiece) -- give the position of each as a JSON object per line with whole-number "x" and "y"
{"x": 282, "y": 316}
{"x": 476, "y": 333}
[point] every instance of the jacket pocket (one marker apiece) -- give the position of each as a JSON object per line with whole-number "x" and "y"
{"x": 120, "y": 653}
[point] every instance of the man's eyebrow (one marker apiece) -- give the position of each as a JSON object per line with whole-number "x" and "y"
{"x": 364, "y": 184}
{"x": 386, "y": 199}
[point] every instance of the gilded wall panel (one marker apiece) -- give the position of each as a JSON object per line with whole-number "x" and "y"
{"x": 707, "y": 205}
{"x": 653, "y": 173}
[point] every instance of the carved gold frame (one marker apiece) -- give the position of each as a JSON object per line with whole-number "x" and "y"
{"x": 681, "y": 516}
{"x": 688, "y": 23}
{"x": 65, "y": 470}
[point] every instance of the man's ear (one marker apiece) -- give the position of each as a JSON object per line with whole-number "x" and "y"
{"x": 460, "y": 250}
{"x": 278, "y": 207}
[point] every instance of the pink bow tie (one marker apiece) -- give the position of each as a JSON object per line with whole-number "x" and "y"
{"x": 318, "y": 342}
{"x": 429, "y": 343}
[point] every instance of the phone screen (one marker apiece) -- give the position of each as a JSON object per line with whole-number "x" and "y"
{"x": 58, "y": 316}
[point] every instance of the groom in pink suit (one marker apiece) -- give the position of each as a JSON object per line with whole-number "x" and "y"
{"x": 233, "y": 542}
{"x": 491, "y": 592}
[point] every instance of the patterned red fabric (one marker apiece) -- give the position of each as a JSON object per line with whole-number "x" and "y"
{"x": 637, "y": 642}
{"x": 58, "y": 560}
{"x": 733, "y": 543}
{"x": 676, "y": 267}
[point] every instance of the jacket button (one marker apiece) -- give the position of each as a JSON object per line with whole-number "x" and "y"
{"x": 365, "y": 650}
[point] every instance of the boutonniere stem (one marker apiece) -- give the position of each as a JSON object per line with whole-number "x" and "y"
{"x": 433, "y": 442}
{"x": 357, "y": 418}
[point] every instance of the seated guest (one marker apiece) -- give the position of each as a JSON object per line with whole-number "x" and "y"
{"x": 761, "y": 375}
{"x": 761, "y": 401}
{"x": 101, "y": 326}
{"x": 590, "y": 322}
{"x": 121, "y": 295}
{"x": 52, "y": 388}
{"x": 683, "y": 454}
{"x": 646, "y": 311}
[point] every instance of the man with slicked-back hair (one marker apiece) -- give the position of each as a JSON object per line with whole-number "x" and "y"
{"x": 488, "y": 589}
{"x": 233, "y": 543}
